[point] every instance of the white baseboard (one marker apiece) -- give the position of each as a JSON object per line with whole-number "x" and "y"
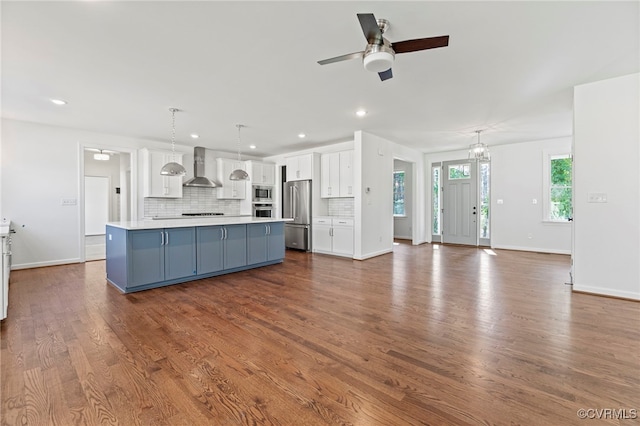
{"x": 374, "y": 254}
{"x": 43, "y": 264}
{"x": 603, "y": 291}
{"x": 534, "y": 249}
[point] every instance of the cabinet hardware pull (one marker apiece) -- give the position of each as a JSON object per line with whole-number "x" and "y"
{"x": 161, "y": 238}
{"x": 167, "y": 238}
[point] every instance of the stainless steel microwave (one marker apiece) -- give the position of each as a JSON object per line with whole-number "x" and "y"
{"x": 262, "y": 193}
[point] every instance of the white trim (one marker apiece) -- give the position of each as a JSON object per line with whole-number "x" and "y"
{"x": 534, "y": 249}
{"x": 47, "y": 263}
{"x": 374, "y": 254}
{"x": 606, "y": 291}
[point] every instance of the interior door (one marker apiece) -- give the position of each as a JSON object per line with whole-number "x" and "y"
{"x": 459, "y": 201}
{"x": 96, "y": 204}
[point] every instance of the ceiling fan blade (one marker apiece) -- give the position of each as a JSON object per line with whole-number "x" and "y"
{"x": 370, "y": 28}
{"x": 385, "y": 75}
{"x": 420, "y": 44}
{"x": 354, "y": 55}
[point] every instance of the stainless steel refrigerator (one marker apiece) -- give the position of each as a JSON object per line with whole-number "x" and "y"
{"x": 296, "y": 197}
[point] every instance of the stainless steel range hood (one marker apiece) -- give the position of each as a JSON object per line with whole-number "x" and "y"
{"x": 199, "y": 179}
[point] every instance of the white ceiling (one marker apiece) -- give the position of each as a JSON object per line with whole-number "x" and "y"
{"x": 509, "y": 69}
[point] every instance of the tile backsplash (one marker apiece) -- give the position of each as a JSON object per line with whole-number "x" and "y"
{"x": 341, "y": 206}
{"x": 194, "y": 200}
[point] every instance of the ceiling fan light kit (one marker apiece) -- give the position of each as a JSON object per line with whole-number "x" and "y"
{"x": 378, "y": 58}
{"x": 380, "y": 53}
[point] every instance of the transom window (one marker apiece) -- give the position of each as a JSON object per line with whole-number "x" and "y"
{"x": 460, "y": 171}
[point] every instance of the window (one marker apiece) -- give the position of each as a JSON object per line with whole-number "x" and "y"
{"x": 460, "y": 171}
{"x": 398, "y": 194}
{"x": 485, "y": 175}
{"x": 558, "y": 184}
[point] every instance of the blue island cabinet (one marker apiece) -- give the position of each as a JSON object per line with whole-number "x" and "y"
{"x": 161, "y": 254}
{"x": 221, "y": 247}
{"x": 265, "y": 242}
{"x": 143, "y": 258}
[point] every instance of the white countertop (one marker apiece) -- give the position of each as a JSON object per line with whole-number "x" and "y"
{"x": 193, "y": 221}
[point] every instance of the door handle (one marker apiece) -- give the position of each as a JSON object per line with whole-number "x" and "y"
{"x": 221, "y": 233}
{"x": 161, "y": 238}
{"x": 167, "y": 238}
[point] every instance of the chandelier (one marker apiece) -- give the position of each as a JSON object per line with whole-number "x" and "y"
{"x": 479, "y": 151}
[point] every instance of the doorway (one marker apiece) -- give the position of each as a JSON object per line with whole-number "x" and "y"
{"x": 107, "y": 195}
{"x": 461, "y": 202}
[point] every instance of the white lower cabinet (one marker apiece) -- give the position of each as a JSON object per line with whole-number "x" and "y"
{"x": 333, "y": 235}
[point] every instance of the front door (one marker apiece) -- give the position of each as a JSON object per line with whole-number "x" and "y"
{"x": 459, "y": 195}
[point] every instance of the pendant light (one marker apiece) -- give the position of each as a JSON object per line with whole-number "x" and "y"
{"x": 479, "y": 151}
{"x": 239, "y": 174}
{"x": 173, "y": 168}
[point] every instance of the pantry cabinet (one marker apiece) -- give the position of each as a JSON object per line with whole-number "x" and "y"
{"x": 154, "y": 184}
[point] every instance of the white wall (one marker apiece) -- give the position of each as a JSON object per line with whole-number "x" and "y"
{"x": 40, "y": 167}
{"x": 606, "y": 246}
{"x": 516, "y": 179}
{"x": 373, "y": 180}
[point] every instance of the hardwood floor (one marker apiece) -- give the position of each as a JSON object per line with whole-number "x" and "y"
{"x": 427, "y": 335}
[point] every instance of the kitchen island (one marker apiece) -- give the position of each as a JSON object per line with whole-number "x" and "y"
{"x": 146, "y": 254}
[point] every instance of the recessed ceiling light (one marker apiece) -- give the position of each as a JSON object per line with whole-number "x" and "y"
{"x": 252, "y": 146}
{"x": 361, "y": 113}
{"x": 195, "y": 135}
{"x": 302, "y": 135}
{"x": 58, "y": 101}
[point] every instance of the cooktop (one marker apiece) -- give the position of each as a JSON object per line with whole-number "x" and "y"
{"x": 202, "y": 214}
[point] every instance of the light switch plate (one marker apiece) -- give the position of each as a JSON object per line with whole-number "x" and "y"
{"x": 69, "y": 201}
{"x": 500, "y": 201}
{"x": 597, "y": 197}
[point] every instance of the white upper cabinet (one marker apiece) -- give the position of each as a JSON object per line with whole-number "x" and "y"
{"x": 153, "y": 183}
{"x": 231, "y": 189}
{"x": 346, "y": 173}
{"x": 299, "y": 167}
{"x": 330, "y": 175}
{"x": 336, "y": 177}
{"x": 262, "y": 173}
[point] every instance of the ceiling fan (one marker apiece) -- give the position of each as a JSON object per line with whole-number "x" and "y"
{"x": 379, "y": 54}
